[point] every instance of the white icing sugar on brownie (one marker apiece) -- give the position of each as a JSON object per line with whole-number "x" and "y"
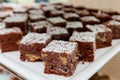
{"x": 116, "y": 17}
{"x": 69, "y": 15}
{"x": 60, "y": 46}
{"x": 2, "y": 25}
{"x": 113, "y": 22}
{"x": 10, "y": 30}
{"x": 56, "y": 20}
{"x": 83, "y": 36}
{"x": 56, "y": 30}
{"x": 75, "y": 24}
{"x": 90, "y": 18}
{"x": 98, "y": 28}
{"x": 31, "y": 38}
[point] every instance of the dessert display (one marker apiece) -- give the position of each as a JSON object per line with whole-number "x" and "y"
{"x": 9, "y": 39}
{"x": 58, "y": 34}
{"x": 103, "y": 35}
{"x": 31, "y": 45}
{"x": 60, "y": 57}
{"x": 87, "y": 46}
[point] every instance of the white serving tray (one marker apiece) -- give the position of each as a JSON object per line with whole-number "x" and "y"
{"x": 35, "y": 70}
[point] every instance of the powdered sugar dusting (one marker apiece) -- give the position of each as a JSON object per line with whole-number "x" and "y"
{"x": 60, "y": 46}
{"x": 113, "y": 22}
{"x": 2, "y": 25}
{"x": 75, "y": 24}
{"x": 10, "y": 30}
{"x": 116, "y": 17}
{"x": 56, "y": 30}
{"x": 98, "y": 28}
{"x": 35, "y": 38}
{"x": 67, "y": 15}
{"x": 83, "y": 36}
{"x": 90, "y": 18}
{"x": 56, "y": 20}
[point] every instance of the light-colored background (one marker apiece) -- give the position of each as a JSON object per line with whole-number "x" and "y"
{"x": 112, "y": 68}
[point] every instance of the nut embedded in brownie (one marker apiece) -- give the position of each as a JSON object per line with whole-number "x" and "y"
{"x": 58, "y": 33}
{"x": 103, "y": 35}
{"x": 39, "y": 27}
{"x": 60, "y": 57}
{"x": 18, "y": 21}
{"x": 76, "y": 25}
{"x": 36, "y": 17}
{"x": 115, "y": 27}
{"x": 31, "y": 45}
{"x": 89, "y": 20}
{"x": 9, "y": 39}
{"x": 57, "y": 21}
{"x": 86, "y": 42}
{"x": 71, "y": 17}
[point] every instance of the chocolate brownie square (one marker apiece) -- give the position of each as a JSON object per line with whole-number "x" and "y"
{"x": 58, "y": 33}
{"x": 17, "y": 21}
{"x": 89, "y": 20}
{"x": 36, "y": 17}
{"x": 57, "y": 21}
{"x": 9, "y": 39}
{"x": 115, "y": 27}
{"x": 82, "y": 13}
{"x": 58, "y": 7}
{"x": 101, "y": 16}
{"x": 103, "y": 35}
{"x": 76, "y": 25}
{"x": 67, "y": 10}
{"x": 71, "y": 17}
{"x": 60, "y": 57}
{"x": 31, "y": 45}
{"x": 86, "y": 42}
{"x": 116, "y": 17}
{"x": 56, "y": 13}
{"x": 37, "y": 11}
{"x": 67, "y": 5}
{"x": 47, "y": 9}
{"x": 39, "y": 27}
{"x": 78, "y": 7}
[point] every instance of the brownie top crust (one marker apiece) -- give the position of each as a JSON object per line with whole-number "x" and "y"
{"x": 98, "y": 28}
{"x": 67, "y": 15}
{"x": 4, "y": 14}
{"x": 48, "y": 8}
{"x": 75, "y": 24}
{"x": 60, "y": 46}
{"x": 36, "y": 11}
{"x": 89, "y": 18}
{"x": 83, "y": 36}
{"x": 56, "y": 19}
{"x": 10, "y": 30}
{"x": 116, "y": 17}
{"x": 37, "y": 16}
{"x": 113, "y": 22}
{"x": 31, "y": 38}
{"x": 15, "y": 18}
{"x": 57, "y": 30}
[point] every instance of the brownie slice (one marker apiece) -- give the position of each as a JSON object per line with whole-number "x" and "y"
{"x": 78, "y": 7}
{"x": 115, "y": 27}
{"x": 60, "y": 57}
{"x": 31, "y": 45}
{"x": 82, "y": 13}
{"x": 58, "y": 7}
{"x": 86, "y": 42}
{"x": 103, "y": 35}
{"x": 76, "y": 25}
{"x": 101, "y": 16}
{"x": 37, "y": 11}
{"x": 89, "y": 20}
{"x": 67, "y": 5}
{"x": 17, "y": 21}
{"x": 71, "y": 17}
{"x": 116, "y": 17}
{"x": 56, "y": 13}
{"x": 67, "y": 10}
{"x": 36, "y": 17}
{"x": 47, "y": 9}
{"x": 39, "y": 27}
{"x": 58, "y": 33}
{"x": 57, "y": 21}
{"x": 9, "y": 39}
